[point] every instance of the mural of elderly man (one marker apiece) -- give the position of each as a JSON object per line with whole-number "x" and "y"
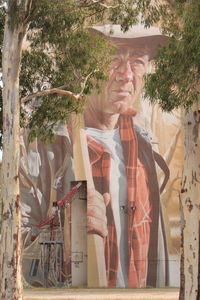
{"x": 128, "y": 216}
{"x": 124, "y": 208}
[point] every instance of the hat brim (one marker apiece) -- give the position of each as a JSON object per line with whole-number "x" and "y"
{"x": 148, "y": 39}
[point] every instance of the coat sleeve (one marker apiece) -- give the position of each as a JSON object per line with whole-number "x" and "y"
{"x": 45, "y": 176}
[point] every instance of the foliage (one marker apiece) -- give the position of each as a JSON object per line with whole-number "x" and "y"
{"x": 62, "y": 52}
{"x": 177, "y": 66}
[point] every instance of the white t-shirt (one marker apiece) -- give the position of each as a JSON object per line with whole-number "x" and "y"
{"x": 110, "y": 139}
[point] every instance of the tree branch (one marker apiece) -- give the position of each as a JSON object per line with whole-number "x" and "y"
{"x": 84, "y": 83}
{"x": 59, "y": 91}
{"x": 51, "y": 92}
{"x": 105, "y": 5}
{"x": 72, "y": 65}
{"x": 93, "y": 2}
{"x": 30, "y": 7}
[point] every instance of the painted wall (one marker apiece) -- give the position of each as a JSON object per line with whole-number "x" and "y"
{"x": 135, "y": 154}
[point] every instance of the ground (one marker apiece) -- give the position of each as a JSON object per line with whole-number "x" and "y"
{"x": 102, "y": 294}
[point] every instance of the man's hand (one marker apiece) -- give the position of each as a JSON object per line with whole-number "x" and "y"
{"x": 96, "y": 212}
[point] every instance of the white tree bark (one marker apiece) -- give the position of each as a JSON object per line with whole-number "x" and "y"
{"x": 10, "y": 259}
{"x": 190, "y": 207}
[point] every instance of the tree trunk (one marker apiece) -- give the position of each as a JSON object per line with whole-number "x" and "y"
{"x": 10, "y": 259}
{"x": 190, "y": 207}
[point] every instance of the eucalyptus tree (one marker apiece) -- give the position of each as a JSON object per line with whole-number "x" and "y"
{"x": 175, "y": 83}
{"x": 55, "y": 33}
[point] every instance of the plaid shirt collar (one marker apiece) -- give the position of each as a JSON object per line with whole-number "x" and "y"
{"x": 127, "y": 135}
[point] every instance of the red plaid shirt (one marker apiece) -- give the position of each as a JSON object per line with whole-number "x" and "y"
{"x": 138, "y": 197}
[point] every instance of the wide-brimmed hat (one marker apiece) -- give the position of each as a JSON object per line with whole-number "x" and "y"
{"x": 137, "y": 36}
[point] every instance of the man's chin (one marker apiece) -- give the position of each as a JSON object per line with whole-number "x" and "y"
{"x": 119, "y": 109}
{"x": 121, "y": 106}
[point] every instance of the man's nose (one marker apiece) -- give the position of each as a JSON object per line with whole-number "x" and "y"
{"x": 125, "y": 72}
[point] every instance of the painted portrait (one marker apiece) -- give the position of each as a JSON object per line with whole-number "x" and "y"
{"x": 132, "y": 190}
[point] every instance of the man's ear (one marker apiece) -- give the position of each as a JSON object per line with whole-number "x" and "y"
{"x": 149, "y": 67}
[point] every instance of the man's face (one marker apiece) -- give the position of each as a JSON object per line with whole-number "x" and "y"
{"x": 127, "y": 69}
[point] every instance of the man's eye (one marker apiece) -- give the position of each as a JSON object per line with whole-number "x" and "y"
{"x": 138, "y": 62}
{"x": 115, "y": 62}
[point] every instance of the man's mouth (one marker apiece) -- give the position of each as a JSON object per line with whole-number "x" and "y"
{"x": 122, "y": 93}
